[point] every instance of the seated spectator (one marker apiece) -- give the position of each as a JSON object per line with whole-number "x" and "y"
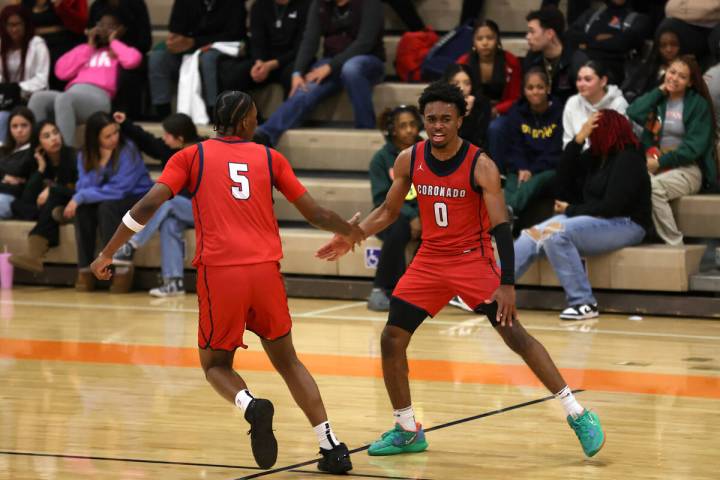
{"x": 24, "y": 61}
{"x": 535, "y": 138}
{"x": 546, "y": 28}
{"x": 405, "y": 9}
{"x": 495, "y": 74}
{"x": 175, "y": 215}
{"x": 610, "y": 35}
{"x": 138, "y": 34}
{"x": 650, "y": 73}
{"x": 276, "y": 28}
{"x": 48, "y": 190}
{"x": 697, "y": 23}
{"x": 61, "y": 23}
{"x": 353, "y": 57}
{"x": 712, "y": 80}
{"x": 612, "y": 212}
{"x": 401, "y": 127}
{"x": 92, "y": 72}
{"x": 594, "y": 93}
{"x": 16, "y": 160}
{"x": 194, "y": 24}
{"x": 474, "y": 128}
{"x": 679, "y": 139}
{"x": 112, "y": 177}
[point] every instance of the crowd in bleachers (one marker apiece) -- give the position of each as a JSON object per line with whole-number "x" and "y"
{"x": 64, "y": 63}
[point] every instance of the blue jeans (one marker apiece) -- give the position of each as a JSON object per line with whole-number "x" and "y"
{"x": 564, "y": 239}
{"x": 358, "y": 75}
{"x": 4, "y": 119}
{"x": 172, "y": 219}
{"x": 5, "y": 201}
{"x": 497, "y": 143}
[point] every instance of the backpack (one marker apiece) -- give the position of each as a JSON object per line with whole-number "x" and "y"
{"x": 411, "y": 52}
{"x": 446, "y": 51}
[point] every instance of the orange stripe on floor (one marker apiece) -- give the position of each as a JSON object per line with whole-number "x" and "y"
{"x": 343, "y": 365}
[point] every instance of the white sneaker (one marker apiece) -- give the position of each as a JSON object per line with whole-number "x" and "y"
{"x": 580, "y": 312}
{"x": 458, "y": 302}
{"x": 173, "y": 287}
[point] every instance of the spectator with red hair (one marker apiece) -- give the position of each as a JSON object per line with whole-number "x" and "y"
{"x": 24, "y": 61}
{"x": 605, "y": 206}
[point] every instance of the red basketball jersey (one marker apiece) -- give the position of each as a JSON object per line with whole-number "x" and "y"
{"x": 231, "y": 183}
{"x": 452, "y": 211}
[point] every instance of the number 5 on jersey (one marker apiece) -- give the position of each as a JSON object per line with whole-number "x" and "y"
{"x": 241, "y": 191}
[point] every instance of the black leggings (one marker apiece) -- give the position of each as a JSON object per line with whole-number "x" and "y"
{"x": 45, "y": 225}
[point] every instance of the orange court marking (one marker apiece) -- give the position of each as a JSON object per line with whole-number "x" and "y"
{"x": 344, "y": 365}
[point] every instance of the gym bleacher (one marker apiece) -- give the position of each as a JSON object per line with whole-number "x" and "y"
{"x": 332, "y": 161}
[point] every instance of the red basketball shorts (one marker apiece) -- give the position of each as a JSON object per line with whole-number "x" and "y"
{"x": 432, "y": 280}
{"x": 236, "y": 298}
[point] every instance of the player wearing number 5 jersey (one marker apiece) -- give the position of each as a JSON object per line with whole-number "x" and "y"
{"x": 461, "y": 204}
{"x": 239, "y": 284}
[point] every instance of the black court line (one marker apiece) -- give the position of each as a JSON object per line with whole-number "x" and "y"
{"x": 436, "y": 427}
{"x": 188, "y": 464}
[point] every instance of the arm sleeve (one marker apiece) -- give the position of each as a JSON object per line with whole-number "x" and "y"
{"x": 310, "y": 39}
{"x": 622, "y": 188}
{"x": 575, "y": 33}
{"x": 289, "y": 56}
{"x": 284, "y": 177}
{"x": 148, "y": 143}
{"x": 696, "y": 141}
{"x": 128, "y": 57}
{"x": 639, "y": 109}
{"x": 177, "y": 172}
{"x": 568, "y": 130}
{"x": 74, "y": 14}
{"x": 40, "y": 62}
{"x": 512, "y": 88}
{"x": 130, "y": 171}
{"x": 69, "y": 65}
{"x": 371, "y": 25}
{"x": 625, "y": 40}
{"x": 234, "y": 27}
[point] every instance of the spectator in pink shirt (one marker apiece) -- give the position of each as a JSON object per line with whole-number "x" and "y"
{"x": 91, "y": 71}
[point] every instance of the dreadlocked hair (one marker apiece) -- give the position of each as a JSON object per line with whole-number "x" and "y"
{"x": 441, "y": 91}
{"x": 231, "y": 107}
{"x": 612, "y": 134}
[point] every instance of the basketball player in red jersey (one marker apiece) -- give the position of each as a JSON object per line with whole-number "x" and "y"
{"x": 238, "y": 248}
{"x": 461, "y": 204}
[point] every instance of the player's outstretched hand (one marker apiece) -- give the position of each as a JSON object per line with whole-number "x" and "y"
{"x": 506, "y": 311}
{"x": 334, "y": 249}
{"x": 357, "y": 235}
{"x": 100, "y": 267}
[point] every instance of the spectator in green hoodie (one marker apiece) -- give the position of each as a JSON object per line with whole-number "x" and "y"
{"x": 401, "y": 127}
{"x": 678, "y": 137}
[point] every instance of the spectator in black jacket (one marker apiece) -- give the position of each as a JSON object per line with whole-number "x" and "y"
{"x": 612, "y": 209}
{"x": 546, "y": 29}
{"x": 474, "y": 128}
{"x": 610, "y": 35}
{"x": 48, "y": 189}
{"x": 276, "y": 28}
{"x": 175, "y": 215}
{"x": 134, "y": 17}
{"x": 194, "y": 24}
{"x": 353, "y": 57}
{"x": 16, "y": 160}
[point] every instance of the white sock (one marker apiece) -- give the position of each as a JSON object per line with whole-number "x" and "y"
{"x": 567, "y": 399}
{"x": 243, "y": 399}
{"x": 326, "y": 437}
{"x": 405, "y": 417}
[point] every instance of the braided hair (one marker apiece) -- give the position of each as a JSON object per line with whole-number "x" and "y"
{"x": 613, "y": 134}
{"x": 231, "y": 107}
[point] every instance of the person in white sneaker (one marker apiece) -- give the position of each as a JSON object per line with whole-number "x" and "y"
{"x": 611, "y": 211}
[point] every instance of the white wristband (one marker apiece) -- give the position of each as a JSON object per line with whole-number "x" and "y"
{"x": 131, "y": 223}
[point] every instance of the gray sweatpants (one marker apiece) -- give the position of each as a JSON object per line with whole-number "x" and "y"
{"x": 70, "y": 108}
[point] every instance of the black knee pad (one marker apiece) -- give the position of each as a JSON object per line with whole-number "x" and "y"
{"x": 405, "y": 315}
{"x": 490, "y": 310}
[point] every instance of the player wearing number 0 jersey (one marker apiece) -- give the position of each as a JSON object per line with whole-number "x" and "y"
{"x": 461, "y": 204}
{"x": 238, "y": 248}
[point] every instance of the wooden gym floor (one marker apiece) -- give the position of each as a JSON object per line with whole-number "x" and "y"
{"x": 108, "y": 386}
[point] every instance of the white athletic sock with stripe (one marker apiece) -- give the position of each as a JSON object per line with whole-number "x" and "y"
{"x": 326, "y": 437}
{"x": 405, "y": 417}
{"x": 243, "y": 399}
{"x": 567, "y": 399}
